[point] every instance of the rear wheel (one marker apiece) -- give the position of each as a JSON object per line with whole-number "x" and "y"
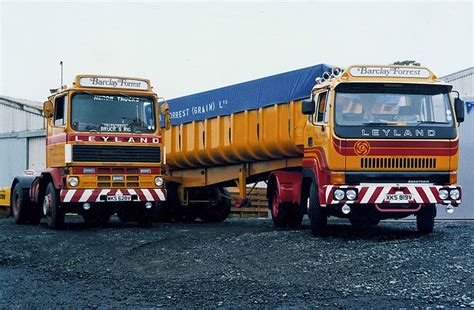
{"x": 218, "y": 208}
{"x": 52, "y": 211}
{"x": 278, "y": 209}
{"x": 19, "y": 205}
{"x": 425, "y": 219}
{"x": 317, "y": 214}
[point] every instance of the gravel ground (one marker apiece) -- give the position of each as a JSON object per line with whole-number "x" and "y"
{"x": 238, "y": 263}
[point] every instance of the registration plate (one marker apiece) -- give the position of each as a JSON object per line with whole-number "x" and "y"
{"x": 399, "y": 197}
{"x": 119, "y": 198}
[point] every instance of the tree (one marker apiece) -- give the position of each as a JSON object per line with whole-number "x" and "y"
{"x": 406, "y": 63}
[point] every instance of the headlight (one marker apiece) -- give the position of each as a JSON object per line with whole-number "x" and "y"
{"x": 73, "y": 181}
{"x": 339, "y": 194}
{"x": 443, "y": 194}
{"x": 351, "y": 194}
{"x": 159, "y": 181}
{"x": 454, "y": 194}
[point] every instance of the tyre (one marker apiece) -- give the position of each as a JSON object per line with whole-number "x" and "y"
{"x": 425, "y": 219}
{"x": 317, "y": 214}
{"x": 52, "y": 211}
{"x": 19, "y": 205}
{"x": 218, "y": 208}
{"x": 277, "y": 209}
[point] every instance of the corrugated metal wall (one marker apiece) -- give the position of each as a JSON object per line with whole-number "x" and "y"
{"x": 463, "y": 82}
{"x": 13, "y": 119}
{"x": 466, "y": 167}
{"x": 36, "y": 153}
{"x": 13, "y": 159}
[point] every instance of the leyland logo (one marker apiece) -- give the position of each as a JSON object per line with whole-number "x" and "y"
{"x": 400, "y": 72}
{"x": 362, "y": 148}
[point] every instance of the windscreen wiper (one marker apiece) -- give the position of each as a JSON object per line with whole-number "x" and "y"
{"x": 378, "y": 124}
{"x": 430, "y": 122}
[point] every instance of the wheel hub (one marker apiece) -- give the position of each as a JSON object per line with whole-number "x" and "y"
{"x": 16, "y": 205}
{"x": 47, "y": 205}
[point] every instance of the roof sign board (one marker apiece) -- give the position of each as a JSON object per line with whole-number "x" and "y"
{"x": 111, "y": 82}
{"x": 251, "y": 95}
{"x": 389, "y": 72}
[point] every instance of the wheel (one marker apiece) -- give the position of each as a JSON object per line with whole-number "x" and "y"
{"x": 19, "y": 206}
{"x": 295, "y": 215}
{"x": 218, "y": 208}
{"x": 278, "y": 209}
{"x": 425, "y": 219}
{"x": 317, "y": 214}
{"x": 51, "y": 209}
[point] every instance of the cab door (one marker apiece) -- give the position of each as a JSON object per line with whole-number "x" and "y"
{"x": 317, "y": 130}
{"x": 56, "y": 133}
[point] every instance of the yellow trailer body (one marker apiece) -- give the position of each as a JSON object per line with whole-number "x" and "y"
{"x": 272, "y": 132}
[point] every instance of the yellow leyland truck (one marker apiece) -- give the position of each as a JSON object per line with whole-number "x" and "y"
{"x": 367, "y": 143}
{"x": 103, "y": 155}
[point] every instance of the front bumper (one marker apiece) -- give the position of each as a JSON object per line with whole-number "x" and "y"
{"x": 100, "y": 195}
{"x": 378, "y": 194}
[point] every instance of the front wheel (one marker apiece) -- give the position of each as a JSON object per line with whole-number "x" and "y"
{"x": 317, "y": 214}
{"x": 52, "y": 211}
{"x": 425, "y": 219}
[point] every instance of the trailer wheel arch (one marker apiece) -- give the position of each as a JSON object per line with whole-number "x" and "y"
{"x": 291, "y": 192}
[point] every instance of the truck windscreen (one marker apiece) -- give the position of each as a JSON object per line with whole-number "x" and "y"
{"x": 112, "y": 113}
{"x": 393, "y": 110}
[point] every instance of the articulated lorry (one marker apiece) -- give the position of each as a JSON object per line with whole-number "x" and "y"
{"x": 366, "y": 143}
{"x": 103, "y": 155}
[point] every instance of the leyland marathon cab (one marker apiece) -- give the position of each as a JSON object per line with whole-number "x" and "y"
{"x": 366, "y": 143}
{"x": 103, "y": 155}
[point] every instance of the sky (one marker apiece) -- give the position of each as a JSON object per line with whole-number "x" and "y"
{"x": 187, "y": 47}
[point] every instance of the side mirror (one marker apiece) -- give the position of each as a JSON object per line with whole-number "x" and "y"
{"x": 459, "y": 109}
{"x": 308, "y": 107}
{"x": 48, "y": 109}
{"x": 165, "y": 110}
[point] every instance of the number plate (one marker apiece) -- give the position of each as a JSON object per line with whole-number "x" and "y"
{"x": 119, "y": 198}
{"x": 399, "y": 197}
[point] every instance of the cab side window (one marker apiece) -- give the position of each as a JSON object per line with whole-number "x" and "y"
{"x": 321, "y": 108}
{"x": 60, "y": 111}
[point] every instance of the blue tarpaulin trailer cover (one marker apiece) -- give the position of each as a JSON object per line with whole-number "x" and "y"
{"x": 251, "y": 95}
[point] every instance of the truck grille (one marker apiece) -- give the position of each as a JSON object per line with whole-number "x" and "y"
{"x": 106, "y": 153}
{"x": 397, "y": 163}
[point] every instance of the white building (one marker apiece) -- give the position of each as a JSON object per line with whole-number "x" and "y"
{"x": 463, "y": 82}
{"x": 22, "y": 137}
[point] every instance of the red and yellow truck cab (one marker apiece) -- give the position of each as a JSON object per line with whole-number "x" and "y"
{"x": 103, "y": 155}
{"x": 382, "y": 142}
